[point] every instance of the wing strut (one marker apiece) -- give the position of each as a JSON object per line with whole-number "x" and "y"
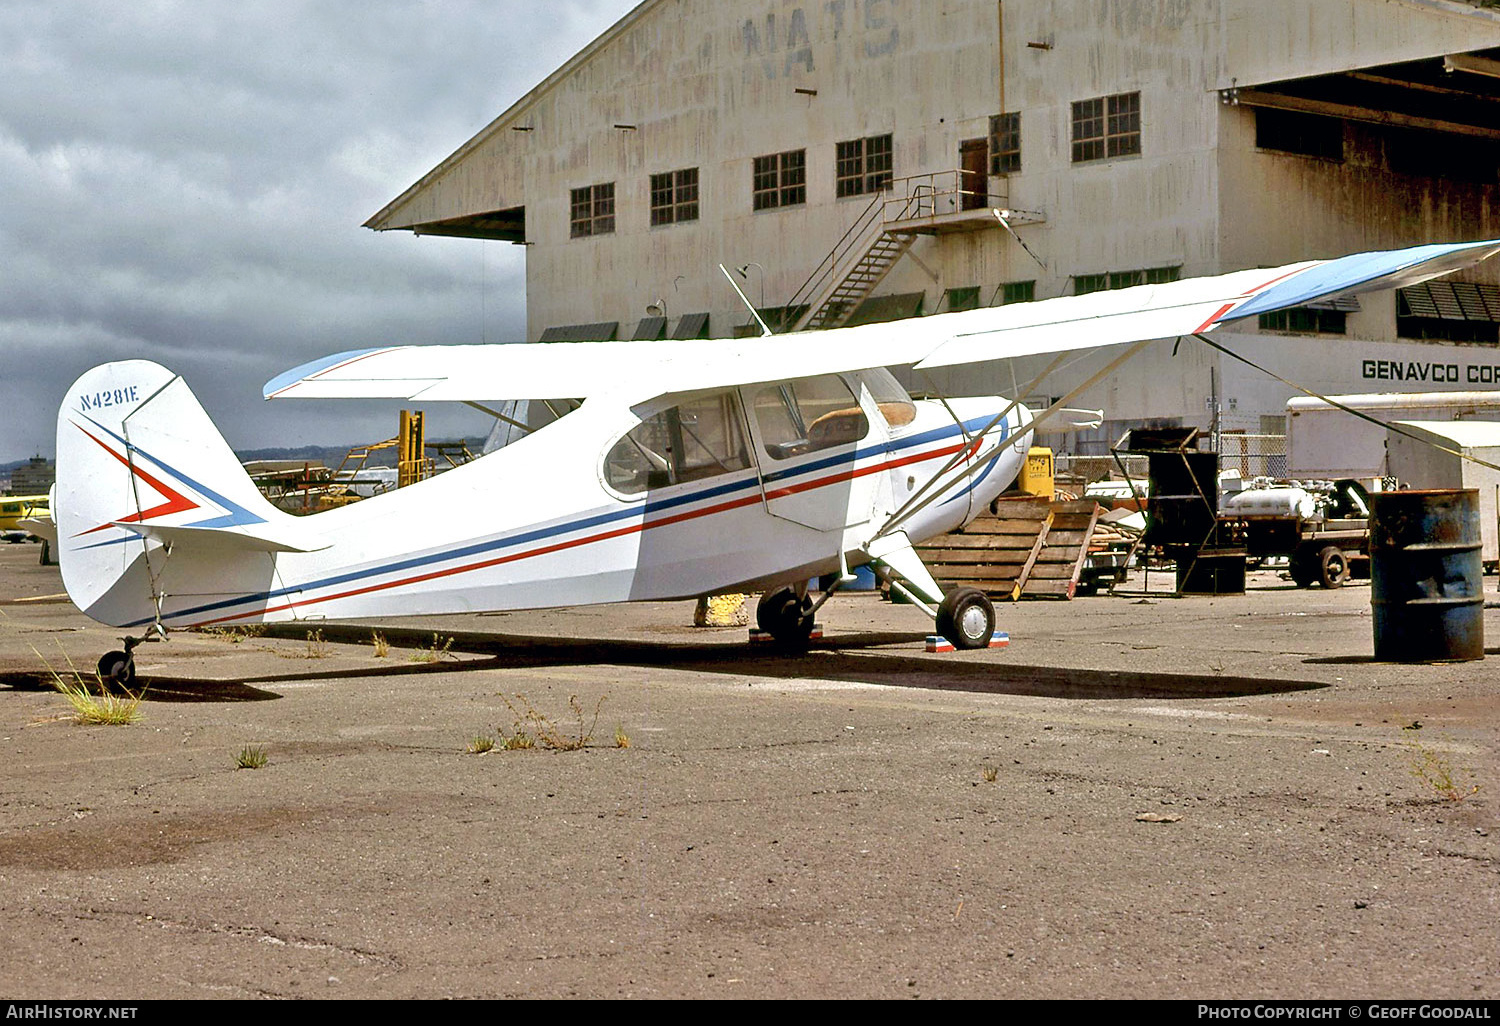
{"x": 922, "y": 499}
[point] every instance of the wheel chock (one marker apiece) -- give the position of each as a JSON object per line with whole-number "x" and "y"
{"x": 938, "y": 643}
{"x": 760, "y": 637}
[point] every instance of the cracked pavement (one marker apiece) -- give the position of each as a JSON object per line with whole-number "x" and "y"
{"x": 865, "y": 821}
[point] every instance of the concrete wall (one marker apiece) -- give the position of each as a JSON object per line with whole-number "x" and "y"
{"x": 712, "y": 85}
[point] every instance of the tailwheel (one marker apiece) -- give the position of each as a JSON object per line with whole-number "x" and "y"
{"x": 118, "y": 667}
{"x": 786, "y": 616}
{"x": 966, "y": 618}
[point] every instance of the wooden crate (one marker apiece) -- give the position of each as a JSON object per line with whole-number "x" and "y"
{"x": 1027, "y": 548}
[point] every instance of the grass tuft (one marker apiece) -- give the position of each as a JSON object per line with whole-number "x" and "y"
{"x": 88, "y": 708}
{"x": 436, "y": 653}
{"x": 251, "y": 757}
{"x": 480, "y": 744}
{"x": 317, "y": 648}
{"x": 622, "y": 739}
{"x": 382, "y": 647}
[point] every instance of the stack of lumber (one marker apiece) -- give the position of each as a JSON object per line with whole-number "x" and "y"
{"x": 1026, "y": 548}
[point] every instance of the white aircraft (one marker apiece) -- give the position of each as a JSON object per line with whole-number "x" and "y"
{"x": 689, "y": 468}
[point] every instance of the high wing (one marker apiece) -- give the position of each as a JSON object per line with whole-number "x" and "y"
{"x": 642, "y": 370}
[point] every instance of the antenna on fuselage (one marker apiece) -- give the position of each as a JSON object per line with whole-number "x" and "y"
{"x": 765, "y": 332}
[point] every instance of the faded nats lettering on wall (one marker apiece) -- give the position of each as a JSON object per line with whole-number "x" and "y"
{"x": 785, "y": 44}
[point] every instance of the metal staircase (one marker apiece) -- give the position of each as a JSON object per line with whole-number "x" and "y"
{"x": 858, "y": 282}
{"x": 930, "y": 204}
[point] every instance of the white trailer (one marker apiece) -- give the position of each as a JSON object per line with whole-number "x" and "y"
{"x": 1325, "y": 442}
{"x": 1417, "y": 463}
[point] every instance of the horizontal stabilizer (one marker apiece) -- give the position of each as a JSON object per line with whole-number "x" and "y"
{"x": 237, "y": 539}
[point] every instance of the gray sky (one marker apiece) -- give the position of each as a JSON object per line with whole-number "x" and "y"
{"x": 186, "y": 182}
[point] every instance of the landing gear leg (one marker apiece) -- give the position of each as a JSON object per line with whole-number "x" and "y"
{"x": 965, "y": 616}
{"x": 118, "y": 667}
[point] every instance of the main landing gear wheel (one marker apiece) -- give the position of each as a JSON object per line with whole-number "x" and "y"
{"x": 966, "y": 618}
{"x": 786, "y": 616}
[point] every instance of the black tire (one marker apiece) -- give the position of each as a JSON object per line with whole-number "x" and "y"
{"x": 966, "y": 618}
{"x": 786, "y": 616}
{"x": 117, "y": 668}
{"x": 1302, "y": 568}
{"x": 1333, "y": 567}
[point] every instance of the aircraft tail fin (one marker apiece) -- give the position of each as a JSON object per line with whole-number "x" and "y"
{"x": 141, "y": 472}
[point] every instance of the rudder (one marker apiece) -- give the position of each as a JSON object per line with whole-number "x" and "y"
{"x": 141, "y": 471}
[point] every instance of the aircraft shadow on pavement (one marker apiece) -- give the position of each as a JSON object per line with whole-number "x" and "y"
{"x": 859, "y": 658}
{"x": 864, "y": 658}
{"x": 169, "y": 688}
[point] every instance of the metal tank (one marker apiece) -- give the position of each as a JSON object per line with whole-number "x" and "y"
{"x": 1426, "y": 576}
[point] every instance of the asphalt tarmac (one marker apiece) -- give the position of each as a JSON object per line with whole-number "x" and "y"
{"x": 1140, "y": 797}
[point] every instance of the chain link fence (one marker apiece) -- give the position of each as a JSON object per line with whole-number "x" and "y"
{"x": 1251, "y": 455}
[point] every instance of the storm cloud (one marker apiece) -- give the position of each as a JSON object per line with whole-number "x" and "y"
{"x": 186, "y": 183}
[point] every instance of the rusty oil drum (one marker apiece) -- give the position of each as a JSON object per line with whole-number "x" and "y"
{"x": 1426, "y": 576}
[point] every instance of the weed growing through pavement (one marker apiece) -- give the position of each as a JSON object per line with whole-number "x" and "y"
{"x": 1433, "y": 770}
{"x": 436, "y": 653}
{"x": 537, "y": 728}
{"x": 622, "y": 739}
{"x": 234, "y": 635}
{"x": 990, "y": 772}
{"x": 480, "y": 744}
{"x": 382, "y": 647}
{"x": 89, "y": 708}
{"x": 317, "y": 648}
{"x": 517, "y": 740}
{"x": 250, "y": 757}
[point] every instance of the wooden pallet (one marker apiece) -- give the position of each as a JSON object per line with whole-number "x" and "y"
{"x": 1028, "y": 548}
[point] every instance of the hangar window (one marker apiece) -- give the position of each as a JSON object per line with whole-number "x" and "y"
{"x": 804, "y": 416}
{"x": 1005, "y": 144}
{"x": 698, "y": 439}
{"x": 593, "y": 210}
{"x": 864, "y": 165}
{"x": 674, "y": 197}
{"x": 1307, "y": 320}
{"x": 780, "y": 180}
{"x": 1454, "y": 311}
{"x": 1017, "y": 292}
{"x": 1083, "y": 284}
{"x": 1106, "y": 126}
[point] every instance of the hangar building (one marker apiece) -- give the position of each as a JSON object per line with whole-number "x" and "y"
{"x": 861, "y": 160}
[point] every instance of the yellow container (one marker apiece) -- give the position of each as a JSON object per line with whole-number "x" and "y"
{"x": 1038, "y": 475}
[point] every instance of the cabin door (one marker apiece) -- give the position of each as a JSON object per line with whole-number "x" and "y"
{"x": 810, "y": 436}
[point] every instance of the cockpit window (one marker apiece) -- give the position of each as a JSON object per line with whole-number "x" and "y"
{"x": 807, "y": 415}
{"x": 895, "y": 405}
{"x": 699, "y": 439}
